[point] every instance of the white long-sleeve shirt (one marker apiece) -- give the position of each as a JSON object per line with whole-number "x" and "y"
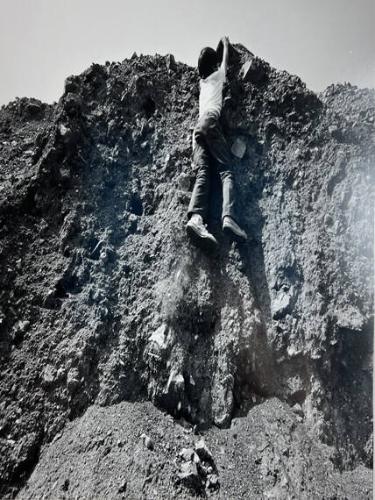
{"x": 211, "y": 93}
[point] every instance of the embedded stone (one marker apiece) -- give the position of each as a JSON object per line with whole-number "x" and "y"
{"x": 239, "y": 148}
{"x": 252, "y": 70}
{"x": 203, "y": 451}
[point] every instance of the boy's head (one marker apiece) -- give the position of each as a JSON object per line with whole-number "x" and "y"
{"x": 208, "y": 62}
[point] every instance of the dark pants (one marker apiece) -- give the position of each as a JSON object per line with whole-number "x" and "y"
{"x": 211, "y": 151}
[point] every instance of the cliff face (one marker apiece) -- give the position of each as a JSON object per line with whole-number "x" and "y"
{"x": 105, "y": 300}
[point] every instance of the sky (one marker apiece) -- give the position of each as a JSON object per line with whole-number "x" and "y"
{"x": 44, "y": 41}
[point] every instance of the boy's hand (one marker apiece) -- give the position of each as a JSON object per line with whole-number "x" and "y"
{"x": 224, "y": 62}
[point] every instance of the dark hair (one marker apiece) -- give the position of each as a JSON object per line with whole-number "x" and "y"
{"x": 207, "y": 62}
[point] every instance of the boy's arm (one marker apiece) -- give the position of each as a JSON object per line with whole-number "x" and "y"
{"x": 224, "y": 62}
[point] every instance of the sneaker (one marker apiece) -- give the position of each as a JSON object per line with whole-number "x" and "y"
{"x": 232, "y": 229}
{"x": 199, "y": 234}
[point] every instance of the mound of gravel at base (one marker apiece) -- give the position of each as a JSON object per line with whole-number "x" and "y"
{"x": 268, "y": 454}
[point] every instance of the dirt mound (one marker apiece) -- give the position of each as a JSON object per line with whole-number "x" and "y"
{"x": 104, "y": 299}
{"x": 132, "y": 450}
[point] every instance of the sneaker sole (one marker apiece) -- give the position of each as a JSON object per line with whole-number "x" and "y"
{"x": 201, "y": 241}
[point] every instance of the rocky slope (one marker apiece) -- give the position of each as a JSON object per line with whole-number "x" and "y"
{"x": 105, "y": 303}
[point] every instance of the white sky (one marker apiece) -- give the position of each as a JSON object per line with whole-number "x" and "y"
{"x": 44, "y": 41}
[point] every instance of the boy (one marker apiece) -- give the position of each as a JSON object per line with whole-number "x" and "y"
{"x": 209, "y": 144}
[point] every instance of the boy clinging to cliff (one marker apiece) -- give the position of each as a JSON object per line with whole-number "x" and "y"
{"x": 211, "y": 151}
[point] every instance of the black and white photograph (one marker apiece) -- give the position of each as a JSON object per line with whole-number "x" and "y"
{"x": 187, "y": 193}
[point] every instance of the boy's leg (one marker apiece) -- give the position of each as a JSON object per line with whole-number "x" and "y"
{"x": 220, "y": 149}
{"x": 229, "y": 218}
{"x": 200, "y": 196}
{"x": 198, "y": 207}
{"x": 209, "y": 135}
{"x": 227, "y": 181}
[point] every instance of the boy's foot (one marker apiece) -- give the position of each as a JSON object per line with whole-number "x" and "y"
{"x": 232, "y": 229}
{"x": 199, "y": 234}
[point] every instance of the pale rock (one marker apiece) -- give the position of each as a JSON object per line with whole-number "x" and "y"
{"x": 203, "y": 451}
{"x": 49, "y": 375}
{"x": 239, "y": 148}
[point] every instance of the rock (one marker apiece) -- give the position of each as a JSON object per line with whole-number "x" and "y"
{"x": 107, "y": 450}
{"x": 297, "y": 408}
{"x": 235, "y": 52}
{"x": 189, "y": 476}
{"x": 282, "y": 303}
{"x": 64, "y": 131}
{"x": 72, "y": 380}
{"x": 71, "y": 84}
{"x": 65, "y": 484}
{"x": 20, "y": 329}
{"x": 24, "y": 325}
{"x": 60, "y": 373}
{"x": 212, "y": 481}
{"x": 147, "y": 441}
{"x": 49, "y": 375}
{"x": 203, "y": 452}
{"x": 188, "y": 454}
{"x": 69, "y": 136}
{"x": 335, "y": 131}
{"x": 239, "y": 148}
{"x": 123, "y": 486}
{"x": 176, "y": 382}
{"x": 72, "y": 104}
{"x": 184, "y": 182}
{"x": 350, "y": 317}
{"x": 167, "y": 160}
{"x": 33, "y": 108}
{"x": 223, "y": 404}
{"x": 171, "y": 63}
{"x": 65, "y": 175}
{"x": 49, "y": 299}
{"x": 253, "y": 71}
